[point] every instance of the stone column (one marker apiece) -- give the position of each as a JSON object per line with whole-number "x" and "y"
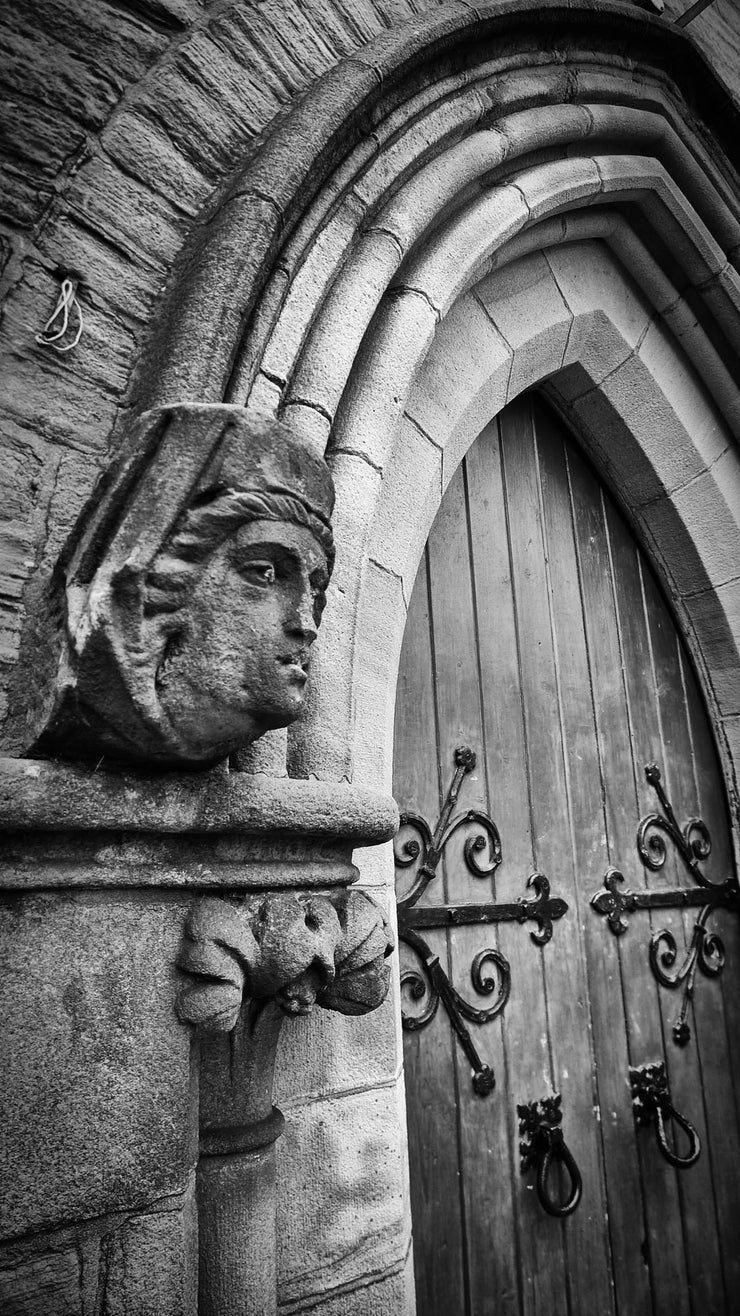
{"x": 109, "y": 881}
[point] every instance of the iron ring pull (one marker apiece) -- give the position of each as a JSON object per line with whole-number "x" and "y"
{"x": 651, "y": 1100}
{"x": 542, "y": 1143}
{"x": 558, "y": 1149}
{"x": 673, "y": 1158}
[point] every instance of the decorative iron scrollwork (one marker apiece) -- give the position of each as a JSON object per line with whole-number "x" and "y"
{"x": 429, "y": 984}
{"x": 694, "y": 844}
{"x": 542, "y": 1144}
{"x": 651, "y": 1101}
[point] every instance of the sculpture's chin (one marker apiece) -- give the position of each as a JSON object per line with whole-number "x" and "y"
{"x": 205, "y": 732}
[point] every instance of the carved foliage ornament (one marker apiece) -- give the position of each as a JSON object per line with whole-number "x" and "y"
{"x": 191, "y": 594}
{"x": 295, "y": 949}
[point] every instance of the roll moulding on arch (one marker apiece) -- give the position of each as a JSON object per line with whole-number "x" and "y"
{"x": 368, "y": 125}
{"x": 378, "y": 223}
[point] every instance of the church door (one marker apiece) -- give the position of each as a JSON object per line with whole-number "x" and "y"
{"x": 568, "y": 910}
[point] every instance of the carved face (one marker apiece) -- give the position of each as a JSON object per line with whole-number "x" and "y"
{"x": 239, "y": 665}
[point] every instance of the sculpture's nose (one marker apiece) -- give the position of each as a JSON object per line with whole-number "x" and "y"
{"x": 302, "y": 620}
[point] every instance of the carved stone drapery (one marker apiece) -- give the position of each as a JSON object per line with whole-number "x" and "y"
{"x": 182, "y": 615}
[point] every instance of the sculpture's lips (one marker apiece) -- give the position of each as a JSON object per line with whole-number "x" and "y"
{"x": 297, "y": 664}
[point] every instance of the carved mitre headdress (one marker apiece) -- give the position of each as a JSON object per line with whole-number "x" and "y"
{"x": 190, "y": 476}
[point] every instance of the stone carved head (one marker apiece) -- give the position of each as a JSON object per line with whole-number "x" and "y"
{"x": 194, "y": 593}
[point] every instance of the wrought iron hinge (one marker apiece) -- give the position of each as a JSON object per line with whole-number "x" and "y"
{"x": 706, "y": 951}
{"x": 482, "y": 856}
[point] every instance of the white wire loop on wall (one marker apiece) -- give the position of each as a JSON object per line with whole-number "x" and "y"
{"x": 59, "y": 322}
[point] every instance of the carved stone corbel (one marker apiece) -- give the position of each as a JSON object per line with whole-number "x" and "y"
{"x": 295, "y": 949}
{"x": 245, "y": 964}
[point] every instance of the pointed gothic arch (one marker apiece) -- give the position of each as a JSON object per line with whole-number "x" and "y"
{"x": 372, "y": 274}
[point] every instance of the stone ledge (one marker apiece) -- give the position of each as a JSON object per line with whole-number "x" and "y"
{"x": 57, "y": 797}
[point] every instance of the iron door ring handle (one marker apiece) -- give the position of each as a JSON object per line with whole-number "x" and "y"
{"x": 673, "y": 1158}
{"x": 651, "y": 1100}
{"x": 558, "y": 1149}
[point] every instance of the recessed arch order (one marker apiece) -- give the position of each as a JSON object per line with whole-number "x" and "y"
{"x": 482, "y": 201}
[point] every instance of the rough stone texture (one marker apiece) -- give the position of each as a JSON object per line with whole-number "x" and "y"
{"x": 54, "y": 796}
{"x": 383, "y": 1295}
{"x": 326, "y": 1054}
{"x": 48, "y": 1283}
{"x": 151, "y": 1267}
{"x": 354, "y": 1141}
{"x": 298, "y": 950}
{"x": 120, "y": 121}
{"x": 86, "y": 1130}
{"x": 192, "y": 597}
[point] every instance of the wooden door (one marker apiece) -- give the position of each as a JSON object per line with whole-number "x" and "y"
{"x": 538, "y": 637}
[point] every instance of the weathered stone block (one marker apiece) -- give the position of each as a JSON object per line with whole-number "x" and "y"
{"x": 457, "y": 257}
{"x": 375, "y": 397}
{"x": 697, "y": 532}
{"x": 335, "y": 339}
{"x": 688, "y": 401}
{"x": 341, "y": 1211}
{"x": 326, "y": 1054}
{"x": 152, "y": 1266}
{"x": 144, "y": 150}
{"x": 525, "y": 304}
{"x": 413, "y": 480}
{"x": 467, "y": 358}
{"x": 716, "y": 618}
{"x": 380, "y": 634}
{"x": 94, "y": 1050}
{"x": 42, "y": 1286}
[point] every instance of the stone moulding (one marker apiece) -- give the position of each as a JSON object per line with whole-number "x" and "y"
{"x": 54, "y": 797}
{"x": 68, "y": 827}
{"x": 267, "y": 218}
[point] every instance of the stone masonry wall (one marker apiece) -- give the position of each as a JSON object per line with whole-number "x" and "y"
{"x": 123, "y": 122}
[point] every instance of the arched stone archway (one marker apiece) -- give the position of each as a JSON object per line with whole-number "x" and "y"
{"x": 484, "y": 201}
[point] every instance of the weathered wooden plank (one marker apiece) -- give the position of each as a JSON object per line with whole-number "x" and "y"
{"x": 718, "y": 1046}
{"x": 588, "y": 839}
{"x": 520, "y": 1075}
{"x": 685, "y": 1064}
{"x": 481, "y": 1125}
{"x": 564, "y": 1021}
{"x": 634, "y": 740}
{"x": 430, "y": 1071}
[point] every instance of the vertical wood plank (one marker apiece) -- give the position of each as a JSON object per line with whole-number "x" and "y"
{"x": 429, "y": 1058}
{"x": 625, "y": 669}
{"x": 718, "y": 1029}
{"x": 565, "y": 1014}
{"x": 588, "y": 841}
{"x": 684, "y": 1063}
{"x": 483, "y": 1145}
{"x": 525, "y": 1057}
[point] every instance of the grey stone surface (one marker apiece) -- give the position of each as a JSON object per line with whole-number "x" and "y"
{"x": 56, "y": 797}
{"x": 96, "y": 1093}
{"x": 151, "y": 1266}
{"x": 299, "y": 950}
{"x": 42, "y": 1286}
{"x": 192, "y": 594}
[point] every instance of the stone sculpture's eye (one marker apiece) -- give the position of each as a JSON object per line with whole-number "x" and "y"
{"x": 259, "y": 573}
